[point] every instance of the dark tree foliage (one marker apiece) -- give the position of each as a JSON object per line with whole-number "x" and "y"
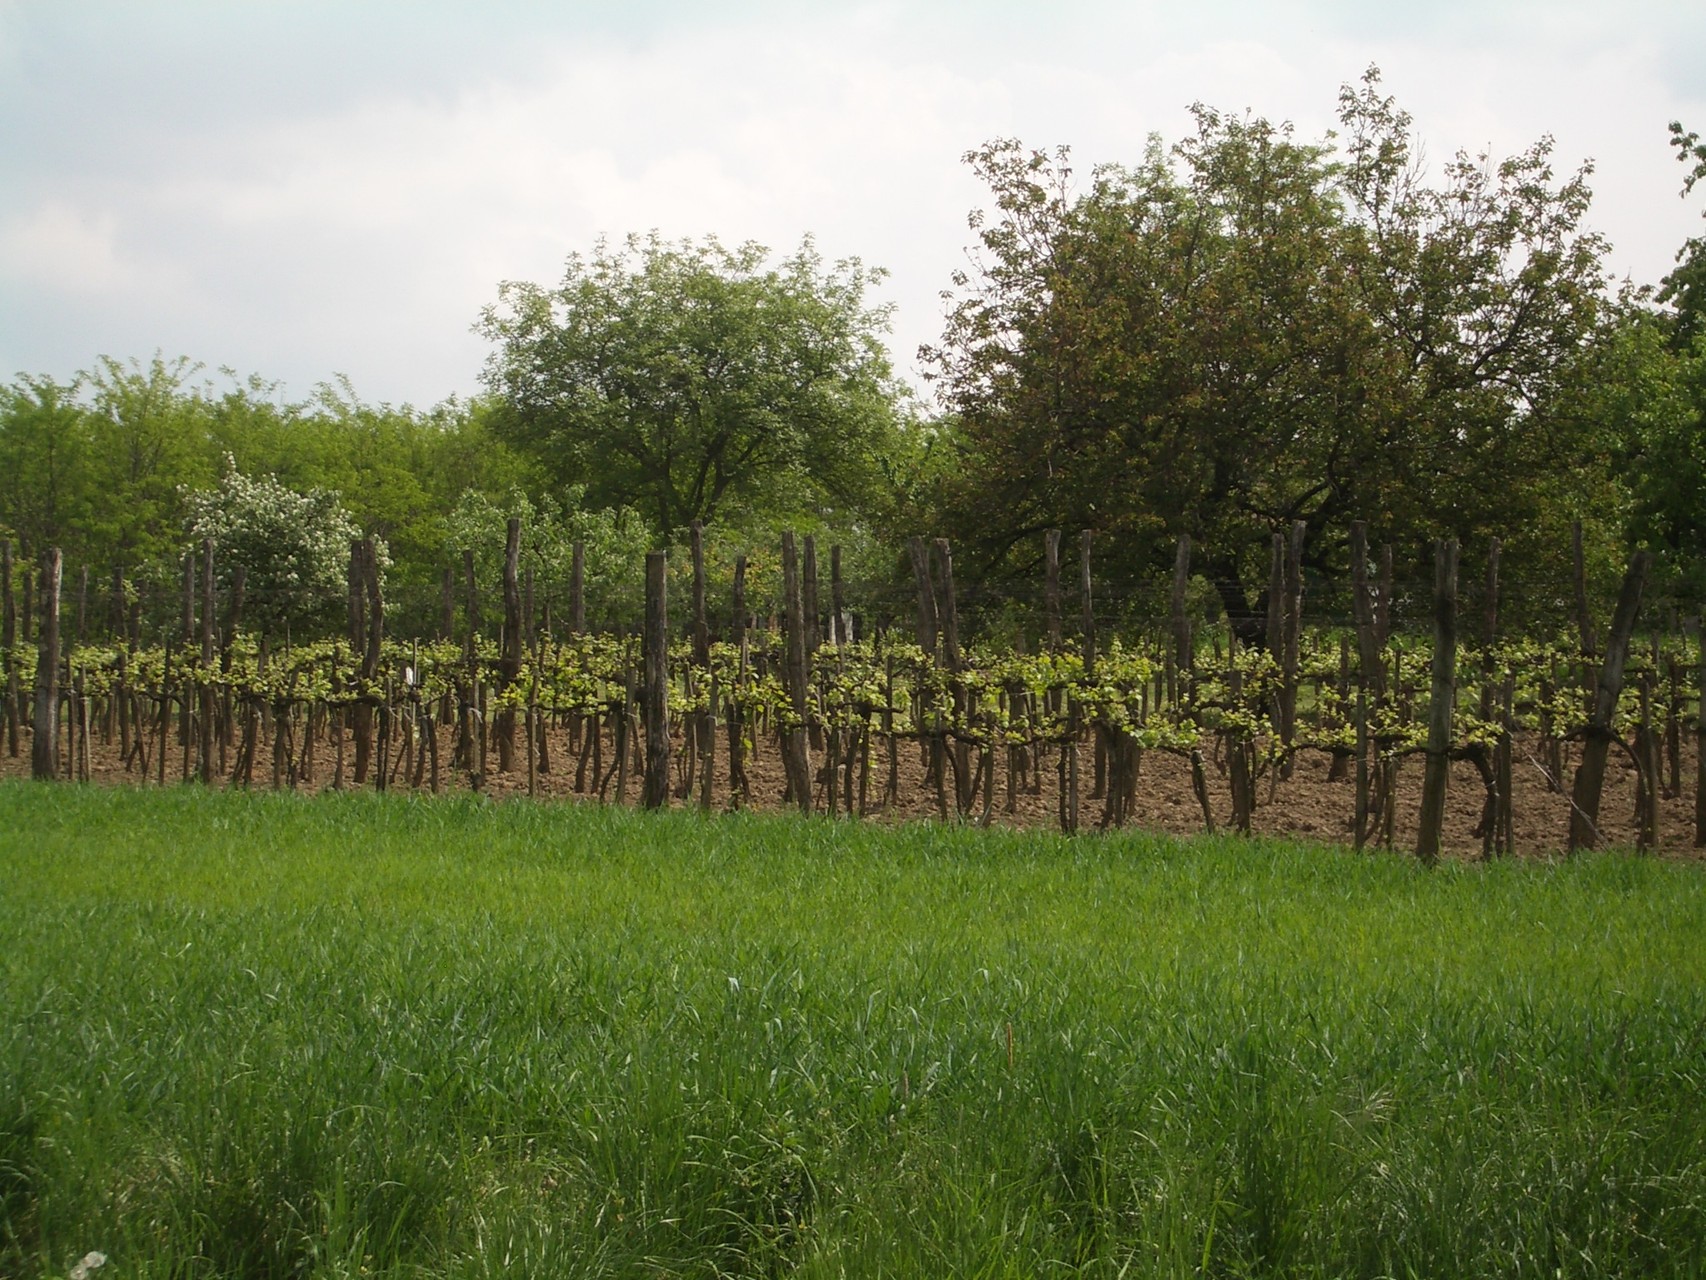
{"x": 1248, "y": 329}
{"x": 1685, "y": 287}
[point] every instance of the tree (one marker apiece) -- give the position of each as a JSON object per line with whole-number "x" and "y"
{"x": 44, "y": 455}
{"x": 150, "y": 446}
{"x": 1685, "y": 287}
{"x": 681, "y": 379}
{"x": 293, "y": 547}
{"x": 1248, "y": 330}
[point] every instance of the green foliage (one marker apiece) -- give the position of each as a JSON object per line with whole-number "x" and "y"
{"x": 615, "y": 545}
{"x": 1247, "y": 330}
{"x": 294, "y": 548}
{"x": 690, "y": 380}
{"x": 45, "y": 455}
{"x": 261, "y": 1035}
{"x": 108, "y": 464}
{"x": 1685, "y": 287}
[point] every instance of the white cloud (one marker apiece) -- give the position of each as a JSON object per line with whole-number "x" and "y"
{"x": 62, "y": 245}
{"x": 364, "y": 235}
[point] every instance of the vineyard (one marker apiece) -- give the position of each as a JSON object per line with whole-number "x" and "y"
{"x": 1361, "y": 733}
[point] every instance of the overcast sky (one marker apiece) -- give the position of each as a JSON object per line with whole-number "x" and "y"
{"x": 301, "y": 189}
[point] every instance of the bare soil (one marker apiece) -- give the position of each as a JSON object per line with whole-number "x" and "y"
{"x": 1310, "y": 804}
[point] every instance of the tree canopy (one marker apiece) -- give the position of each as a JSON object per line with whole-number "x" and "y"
{"x": 683, "y": 379}
{"x": 1248, "y": 329}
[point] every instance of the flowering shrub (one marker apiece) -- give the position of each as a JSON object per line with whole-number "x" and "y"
{"x": 293, "y": 547}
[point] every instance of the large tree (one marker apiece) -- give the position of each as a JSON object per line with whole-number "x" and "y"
{"x": 685, "y": 378}
{"x": 1248, "y": 329}
{"x": 1685, "y": 287}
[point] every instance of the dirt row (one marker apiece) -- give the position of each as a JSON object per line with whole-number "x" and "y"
{"x": 1310, "y": 804}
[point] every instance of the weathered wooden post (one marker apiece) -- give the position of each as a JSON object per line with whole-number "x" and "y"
{"x": 186, "y": 634}
{"x": 1051, "y": 587}
{"x": 44, "y": 745}
{"x": 1444, "y": 688}
{"x": 1370, "y": 675}
{"x": 375, "y": 640}
{"x": 655, "y": 695}
{"x": 1184, "y": 665}
{"x": 204, "y": 739}
{"x": 841, "y": 627}
{"x": 473, "y": 618}
{"x": 8, "y": 639}
{"x": 1590, "y": 773}
{"x": 1699, "y": 743}
{"x": 735, "y": 705}
{"x": 920, "y": 553}
{"x": 509, "y": 652}
{"x": 704, "y": 722}
{"x": 360, "y": 713}
{"x": 1291, "y": 626}
{"x": 795, "y": 756}
{"x": 577, "y": 590}
{"x": 1074, "y": 708}
{"x": 963, "y": 781}
{"x": 808, "y": 594}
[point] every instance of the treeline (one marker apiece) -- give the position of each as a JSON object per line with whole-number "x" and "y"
{"x": 1233, "y": 338}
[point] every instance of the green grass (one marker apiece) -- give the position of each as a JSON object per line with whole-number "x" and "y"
{"x": 269, "y": 1036}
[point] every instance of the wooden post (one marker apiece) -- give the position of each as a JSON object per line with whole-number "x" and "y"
{"x": 1275, "y": 638}
{"x": 1086, "y": 596}
{"x": 1590, "y": 773}
{"x": 795, "y": 759}
{"x": 838, "y": 597}
{"x": 509, "y": 660}
{"x": 360, "y": 713}
{"x": 375, "y": 639}
{"x": 808, "y": 592}
{"x": 186, "y": 712}
{"x": 1490, "y": 628}
{"x": 1584, "y": 617}
{"x": 1647, "y": 779}
{"x": 1051, "y": 587}
{"x": 1369, "y": 673}
{"x": 1183, "y": 657}
{"x": 44, "y": 746}
{"x": 735, "y": 704}
{"x": 963, "y": 781}
{"x": 705, "y": 722}
{"x": 920, "y": 554}
{"x": 1291, "y": 623}
{"x": 473, "y": 597}
{"x": 204, "y": 738}
{"x": 655, "y": 706}
{"x": 1700, "y": 743}
{"x": 8, "y": 639}
{"x": 82, "y": 606}
{"x": 1087, "y": 603}
{"x": 529, "y": 626}
{"x": 1444, "y": 687}
{"x": 1491, "y": 827}
{"x": 577, "y": 590}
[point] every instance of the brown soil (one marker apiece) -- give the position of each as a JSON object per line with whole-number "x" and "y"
{"x": 1309, "y": 804}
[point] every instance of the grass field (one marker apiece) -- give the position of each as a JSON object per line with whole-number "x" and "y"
{"x": 269, "y": 1036}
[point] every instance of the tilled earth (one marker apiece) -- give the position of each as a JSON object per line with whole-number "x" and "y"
{"x": 1310, "y": 803}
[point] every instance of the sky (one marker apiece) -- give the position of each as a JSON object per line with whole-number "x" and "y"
{"x": 306, "y": 189}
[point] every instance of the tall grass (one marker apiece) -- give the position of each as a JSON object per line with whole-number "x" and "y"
{"x": 267, "y": 1036}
